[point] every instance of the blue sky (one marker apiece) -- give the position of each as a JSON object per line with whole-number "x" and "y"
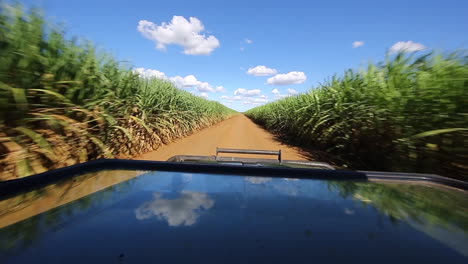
{"x": 303, "y": 41}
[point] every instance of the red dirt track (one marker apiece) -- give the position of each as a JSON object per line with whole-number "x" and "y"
{"x": 235, "y": 132}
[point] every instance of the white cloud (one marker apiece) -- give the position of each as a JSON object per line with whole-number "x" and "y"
{"x": 248, "y": 41}
{"x": 255, "y": 101}
{"x": 247, "y": 93}
{"x": 293, "y": 77}
{"x": 204, "y": 87}
{"x": 180, "y": 31}
{"x": 292, "y": 91}
{"x": 258, "y": 180}
{"x": 357, "y": 44}
{"x": 247, "y": 97}
{"x": 290, "y": 179}
{"x": 150, "y": 73}
{"x": 184, "y": 210}
{"x": 281, "y": 96}
{"x": 189, "y": 81}
{"x": 261, "y": 71}
{"x": 231, "y": 98}
{"x": 185, "y": 82}
{"x": 204, "y": 95}
{"x": 408, "y": 46}
{"x": 278, "y": 94}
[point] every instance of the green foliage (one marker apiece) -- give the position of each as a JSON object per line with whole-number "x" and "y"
{"x": 406, "y": 114}
{"x": 423, "y": 204}
{"x": 63, "y": 102}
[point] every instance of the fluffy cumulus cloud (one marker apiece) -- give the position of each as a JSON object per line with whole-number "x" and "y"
{"x": 247, "y": 93}
{"x": 293, "y": 77}
{"x": 357, "y": 44}
{"x": 183, "y": 211}
{"x": 261, "y": 71}
{"x": 192, "y": 81}
{"x": 246, "y": 97}
{"x": 277, "y": 93}
{"x": 408, "y": 46}
{"x": 220, "y": 89}
{"x": 150, "y": 73}
{"x": 204, "y": 87}
{"x": 255, "y": 101}
{"x": 245, "y": 100}
{"x": 189, "y": 81}
{"x": 185, "y": 82}
{"x": 292, "y": 91}
{"x": 180, "y": 31}
{"x": 204, "y": 95}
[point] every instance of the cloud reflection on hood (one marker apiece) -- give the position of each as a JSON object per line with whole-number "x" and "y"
{"x": 289, "y": 186}
{"x": 258, "y": 180}
{"x": 184, "y": 210}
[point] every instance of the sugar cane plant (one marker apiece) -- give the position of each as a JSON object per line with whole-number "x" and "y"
{"x": 405, "y": 114}
{"x": 62, "y": 102}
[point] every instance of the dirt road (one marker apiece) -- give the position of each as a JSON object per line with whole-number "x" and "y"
{"x": 236, "y": 132}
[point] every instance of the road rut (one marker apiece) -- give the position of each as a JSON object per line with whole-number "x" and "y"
{"x": 235, "y": 132}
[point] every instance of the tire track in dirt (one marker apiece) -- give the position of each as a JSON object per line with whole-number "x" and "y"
{"x": 235, "y": 132}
